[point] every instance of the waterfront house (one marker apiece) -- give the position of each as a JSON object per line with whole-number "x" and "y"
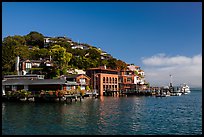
{"x": 31, "y": 76}
{"x": 81, "y": 79}
{"x": 103, "y": 79}
{"x": 35, "y": 84}
{"x": 127, "y": 80}
{"x": 139, "y": 79}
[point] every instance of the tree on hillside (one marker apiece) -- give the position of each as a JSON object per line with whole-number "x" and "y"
{"x": 78, "y": 52}
{"x": 112, "y": 63}
{"x": 60, "y": 57}
{"x": 35, "y": 39}
{"x": 13, "y": 46}
{"x": 121, "y": 65}
{"x": 37, "y": 53}
{"x": 20, "y": 39}
{"x": 104, "y": 62}
{"x": 8, "y": 59}
{"x": 61, "y": 42}
{"x": 94, "y": 53}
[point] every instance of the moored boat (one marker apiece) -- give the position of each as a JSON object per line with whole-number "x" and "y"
{"x": 176, "y": 94}
{"x": 161, "y": 95}
{"x": 184, "y": 89}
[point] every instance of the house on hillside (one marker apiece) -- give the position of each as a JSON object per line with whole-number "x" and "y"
{"x": 50, "y": 40}
{"x": 80, "y": 46}
{"x": 27, "y": 66}
{"x": 76, "y": 71}
{"x": 133, "y": 67}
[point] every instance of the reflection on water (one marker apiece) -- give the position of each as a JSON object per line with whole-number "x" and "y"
{"x": 106, "y": 116}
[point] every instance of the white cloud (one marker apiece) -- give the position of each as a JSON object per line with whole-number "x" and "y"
{"x": 162, "y": 60}
{"x": 184, "y": 70}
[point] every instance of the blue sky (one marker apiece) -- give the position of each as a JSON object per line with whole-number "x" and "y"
{"x": 131, "y": 31}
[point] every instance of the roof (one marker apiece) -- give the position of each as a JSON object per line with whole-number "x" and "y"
{"x": 71, "y": 83}
{"x": 75, "y": 76}
{"x": 32, "y": 61}
{"x": 22, "y": 76}
{"x": 33, "y": 82}
{"x": 102, "y": 69}
{"x": 31, "y": 75}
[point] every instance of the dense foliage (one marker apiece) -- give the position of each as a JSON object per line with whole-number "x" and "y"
{"x": 31, "y": 46}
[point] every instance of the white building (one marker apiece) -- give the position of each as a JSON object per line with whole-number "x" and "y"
{"x": 76, "y": 71}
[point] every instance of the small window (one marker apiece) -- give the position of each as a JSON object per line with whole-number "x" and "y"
{"x": 103, "y": 79}
{"x": 116, "y": 80}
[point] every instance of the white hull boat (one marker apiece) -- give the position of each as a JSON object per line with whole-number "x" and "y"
{"x": 184, "y": 89}
{"x": 176, "y": 94}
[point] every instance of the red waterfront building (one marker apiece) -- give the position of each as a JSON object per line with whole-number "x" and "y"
{"x": 103, "y": 79}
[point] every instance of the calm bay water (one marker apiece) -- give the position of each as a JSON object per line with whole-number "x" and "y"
{"x": 132, "y": 115}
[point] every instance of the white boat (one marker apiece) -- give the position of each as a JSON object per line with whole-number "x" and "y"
{"x": 176, "y": 94}
{"x": 184, "y": 89}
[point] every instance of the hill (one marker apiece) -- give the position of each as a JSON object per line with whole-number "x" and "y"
{"x": 64, "y": 52}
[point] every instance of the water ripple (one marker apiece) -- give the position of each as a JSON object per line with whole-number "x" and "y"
{"x": 107, "y": 116}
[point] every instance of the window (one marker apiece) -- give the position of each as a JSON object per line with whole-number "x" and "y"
{"x": 68, "y": 87}
{"x": 106, "y": 79}
{"x": 115, "y": 80}
{"x": 129, "y": 80}
{"x": 110, "y": 79}
{"x": 104, "y": 87}
{"x": 103, "y": 79}
{"x": 28, "y": 65}
{"x": 82, "y": 80}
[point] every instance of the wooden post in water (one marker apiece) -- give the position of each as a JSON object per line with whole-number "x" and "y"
{"x": 75, "y": 98}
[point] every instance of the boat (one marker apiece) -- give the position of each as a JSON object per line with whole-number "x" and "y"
{"x": 176, "y": 94}
{"x": 184, "y": 89}
{"x": 161, "y": 95}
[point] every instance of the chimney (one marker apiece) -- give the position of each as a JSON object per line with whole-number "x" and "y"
{"x": 17, "y": 64}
